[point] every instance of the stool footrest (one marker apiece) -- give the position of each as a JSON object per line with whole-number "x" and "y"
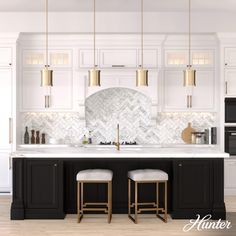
{"x": 95, "y": 209}
{"x": 95, "y": 204}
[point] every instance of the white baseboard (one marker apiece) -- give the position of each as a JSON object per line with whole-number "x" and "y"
{"x": 230, "y": 191}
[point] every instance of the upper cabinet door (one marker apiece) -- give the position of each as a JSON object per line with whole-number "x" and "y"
{"x": 86, "y": 58}
{"x": 5, "y": 56}
{"x": 180, "y": 98}
{"x": 202, "y": 58}
{"x": 230, "y": 80}
{"x": 118, "y": 58}
{"x": 203, "y": 94}
{"x": 150, "y": 58}
{"x": 175, "y": 95}
{"x": 33, "y": 58}
{"x": 179, "y": 58}
{"x": 62, "y": 90}
{"x": 6, "y": 108}
{"x": 60, "y": 58}
{"x": 230, "y": 57}
{"x": 33, "y": 94}
{"x": 176, "y": 58}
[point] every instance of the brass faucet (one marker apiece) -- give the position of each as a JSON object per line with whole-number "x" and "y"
{"x": 117, "y": 144}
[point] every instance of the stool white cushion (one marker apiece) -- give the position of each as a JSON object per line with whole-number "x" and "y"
{"x": 94, "y": 175}
{"x": 148, "y": 175}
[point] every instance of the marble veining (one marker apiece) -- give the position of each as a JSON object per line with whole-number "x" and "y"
{"x": 129, "y": 108}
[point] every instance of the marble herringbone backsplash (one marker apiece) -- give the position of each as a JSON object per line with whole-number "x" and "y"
{"x": 129, "y": 108}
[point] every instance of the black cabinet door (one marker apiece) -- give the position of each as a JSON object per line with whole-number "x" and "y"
{"x": 44, "y": 188}
{"x": 192, "y": 184}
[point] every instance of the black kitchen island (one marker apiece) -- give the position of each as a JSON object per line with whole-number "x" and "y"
{"x": 45, "y": 188}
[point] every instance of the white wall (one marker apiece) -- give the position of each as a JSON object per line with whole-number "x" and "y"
{"x": 117, "y": 22}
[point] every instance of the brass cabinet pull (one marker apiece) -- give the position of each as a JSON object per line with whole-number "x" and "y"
{"x": 118, "y": 65}
{"x": 47, "y": 101}
{"x": 187, "y": 101}
{"x": 10, "y": 166}
{"x": 190, "y": 101}
{"x": 226, "y": 87}
{"x": 10, "y": 130}
{"x": 180, "y": 165}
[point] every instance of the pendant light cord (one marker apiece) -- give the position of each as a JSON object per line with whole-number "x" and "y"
{"x": 189, "y": 15}
{"x": 94, "y": 33}
{"x": 46, "y": 32}
{"x": 142, "y": 33}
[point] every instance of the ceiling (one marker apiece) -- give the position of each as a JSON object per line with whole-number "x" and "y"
{"x": 117, "y": 5}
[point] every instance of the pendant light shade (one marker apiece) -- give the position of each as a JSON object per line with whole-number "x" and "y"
{"x": 94, "y": 74}
{"x": 141, "y": 74}
{"x": 189, "y": 72}
{"x": 46, "y": 73}
{"x": 189, "y": 77}
{"x": 141, "y": 77}
{"x": 46, "y": 77}
{"x": 94, "y": 77}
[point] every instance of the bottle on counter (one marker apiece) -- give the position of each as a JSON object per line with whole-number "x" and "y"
{"x": 84, "y": 141}
{"x": 90, "y": 141}
{"x": 37, "y": 137}
{"x": 26, "y": 136}
{"x": 32, "y": 136}
{"x": 43, "y": 140}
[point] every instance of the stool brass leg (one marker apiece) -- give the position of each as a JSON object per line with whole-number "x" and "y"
{"x": 82, "y": 198}
{"x": 109, "y": 200}
{"x": 78, "y": 201}
{"x": 129, "y": 197}
{"x": 165, "y": 217}
{"x": 136, "y": 202}
{"x": 157, "y": 197}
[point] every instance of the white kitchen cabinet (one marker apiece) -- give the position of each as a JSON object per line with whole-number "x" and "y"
{"x": 118, "y": 58}
{"x": 5, "y": 173}
{"x": 176, "y": 58}
{"x": 37, "y": 58}
{"x": 86, "y": 58}
{"x": 62, "y": 90}
{"x": 150, "y": 58}
{"x": 202, "y": 58}
{"x": 60, "y": 58}
{"x": 179, "y": 58}
{"x": 5, "y": 56}
{"x": 175, "y": 95}
{"x": 230, "y": 57}
{"x": 33, "y": 58}
{"x": 180, "y": 98}
{"x": 6, "y": 108}
{"x": 33, "y": 94}
{"x": 203, "y": 94}
{"x": 230, "y": 82}
{"x": 230, "y": 176}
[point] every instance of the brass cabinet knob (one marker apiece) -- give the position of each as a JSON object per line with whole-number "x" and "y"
{"x": 55, "y": 165}
{"x": 180, "y": 165}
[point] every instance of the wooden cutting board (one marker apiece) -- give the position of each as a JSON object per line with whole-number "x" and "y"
{"x": 187, "y": 134}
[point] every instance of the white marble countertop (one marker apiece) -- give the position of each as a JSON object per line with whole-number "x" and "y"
{"x": 138, "y": 151}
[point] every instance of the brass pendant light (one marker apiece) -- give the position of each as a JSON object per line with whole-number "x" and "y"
{"x": 141, "y": 73}
{"x": 46, "y": 73}
{"x": 94, "y": 74}
{"x": 189, "y": 73}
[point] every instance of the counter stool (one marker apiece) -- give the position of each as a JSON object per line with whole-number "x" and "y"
{"x": 147, "y": 176}
{"x": 94, "y": 176}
